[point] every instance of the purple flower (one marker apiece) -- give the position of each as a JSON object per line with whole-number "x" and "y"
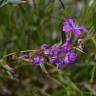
{"x": 44, "y": 46}
{"x": 53, "y": 60}
{"x": 66, "y": 46}
{"x": 69, "y": 25}
{"x": 47, "y": 52}
{"x": 66, "y": 59}
{"x": 68, "y": 40}
{"x": 54, "y": 50}
{"x": 70, "y": 58}
{"x": 36, "y": 60}
{"x": 58, "y": 61}
{"x": 66, "y": 49}
{"x": 59, "y": 65}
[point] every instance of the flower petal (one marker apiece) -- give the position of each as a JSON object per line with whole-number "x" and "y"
{"x": 72, "y": 56}
{"x": 59, "y": 65}
{"x": 69, "y": 21}
{"x": 44, "y": 46}
{"x": 47, "y": 52}
{"x": 83, "y": 28}
{"x": 37, "y": 60}
{"x": 53, "y": 60}
{"x": 77, "y": 32}
{"x": 67, "y": 28}
{"x": 66, "y": 59}
{"x": 54, "y": 50}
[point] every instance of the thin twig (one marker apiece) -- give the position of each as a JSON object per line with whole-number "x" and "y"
{"x": 63, "y": 36}
{"x": 62, "y": 4}
{"x": 13, "y": 53}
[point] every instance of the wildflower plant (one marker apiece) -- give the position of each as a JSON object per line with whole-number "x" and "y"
{"x": 60, "y": 56}
{"x": 63, "y": 64}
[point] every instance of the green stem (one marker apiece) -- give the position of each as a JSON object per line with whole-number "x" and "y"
{"x": 93, "y": 73}
{"x": 13, "y": 53}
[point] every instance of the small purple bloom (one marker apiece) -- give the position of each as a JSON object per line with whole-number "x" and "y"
{"x": 68, "y": 41}
{"x": 44, "y": 46}
{"x": 69, "y": 25}
{"x": 59, "y": 63}
{"x": 66, "y": 46}
{"x": 54, "y": 50}
{"x": 66, "y": 49}
{"x": 70, "y": 58}
{"x": 66, "y": 59}
{"x": 53, "y": 60}
{"x": 38, "y": 52}
{"x": 47, "y": 52}
{"x": 36, "y": 60}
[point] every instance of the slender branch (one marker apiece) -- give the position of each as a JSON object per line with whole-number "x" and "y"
{"x": 62, "y": 4}
{"x": 13, "y": 53}
{"x": 63, "y": 36}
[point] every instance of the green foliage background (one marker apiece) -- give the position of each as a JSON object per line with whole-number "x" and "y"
{"x": 28, "y": 26}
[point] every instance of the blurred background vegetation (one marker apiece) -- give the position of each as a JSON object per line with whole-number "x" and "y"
{"x": 29, "y": 25}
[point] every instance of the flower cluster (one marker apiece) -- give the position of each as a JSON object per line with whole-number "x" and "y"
{"x": 62, "y": 55}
